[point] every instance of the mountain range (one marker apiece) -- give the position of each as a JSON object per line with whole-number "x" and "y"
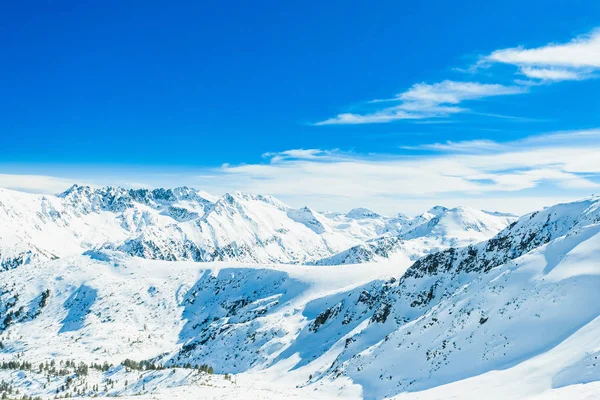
{"x": 187, "y": 224}
{"x": 453, "y": 303}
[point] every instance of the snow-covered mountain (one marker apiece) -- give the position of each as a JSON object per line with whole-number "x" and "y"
{"x": 494, "y": 305}
{"x": 514, "y": 316}
{"x": 178, "y": 224}
{"x": 187, "y": 224}
{"x": 437, "y": 229}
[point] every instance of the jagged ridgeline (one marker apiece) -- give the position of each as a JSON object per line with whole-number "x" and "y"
{"x": 188, "y": 224}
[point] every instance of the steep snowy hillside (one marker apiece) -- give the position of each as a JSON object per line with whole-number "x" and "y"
{"x": 106, "y": 307}
{"x": 464, "y": 312}
{"x": 518, "y": 312}
{"x": 187, "y": 224}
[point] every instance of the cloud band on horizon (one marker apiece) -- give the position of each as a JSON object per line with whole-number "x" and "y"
{"x": 469, "y": 171}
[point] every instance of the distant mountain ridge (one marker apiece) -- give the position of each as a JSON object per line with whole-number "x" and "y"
{"x": 434, "y": 230}
{"x": 188, "y": 224}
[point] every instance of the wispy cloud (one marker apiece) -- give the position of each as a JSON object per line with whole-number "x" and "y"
{"x": 581, "y": 52}
{"x": 468, "y": 170}
{"x": 468, "y": 146}
{"x": 578, "y": 59}
{"x": 450, "y": 92}
{"x": 553, "y": 74}
{"x": 296, "y": 154}
{"x": 424, "y": 101}
{"x": 574, "y": 60}
{"x": 588, "y": 137}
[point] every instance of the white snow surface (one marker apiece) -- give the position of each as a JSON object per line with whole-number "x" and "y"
{"x": 513, "y": 316}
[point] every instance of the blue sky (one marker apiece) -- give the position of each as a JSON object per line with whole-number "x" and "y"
{"x": 393, "y": 105}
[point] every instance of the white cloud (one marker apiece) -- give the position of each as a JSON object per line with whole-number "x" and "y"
{"x": 580, "y": 52}
{"x": 298, "y": 154}
{"x": 547, "y": 140}
{"x": 424, "y": 101}
{"x": 552, "y": 74}
{"x": 575, "y": 60}
{"x": 451, "y": 92}
{"x": 386, "y": 115}
{"x": 563, "y": 162}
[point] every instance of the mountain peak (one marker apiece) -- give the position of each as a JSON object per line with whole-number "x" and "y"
{"x": 361, "y": 212}
{"x": 309, "y": 218}
{"x": 438, "y": 210}
{"x": 75, "y": 188}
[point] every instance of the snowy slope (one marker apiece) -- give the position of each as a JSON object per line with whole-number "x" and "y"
{"x": 514, "y": 316}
